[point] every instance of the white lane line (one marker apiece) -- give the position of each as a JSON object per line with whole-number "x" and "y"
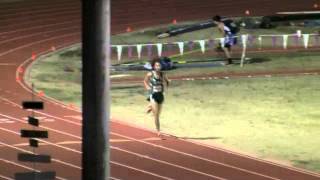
{"x": 26, "y": 167}
{"x": 75, "y": 136}
{"x": 54, "y": 160}
{"x": 225, "y": 150}
{"x": 77, "y": 117}
{"x": 194, "y": 156}
{"x": 7, "y": 64}
{"x": 80, "y": 142}
{"x": 38, "y": 112}
{"x": 41, "y": 119}
{"x": 38, "y": 42}
{"x": 167, "y": 163}
{"x": 37, "y": 8}
{"x": 119, "y": 149}
{"x": 36, "y": 17}
{"x": 77, "y": 167}
{"x": 180, "y": 152}
{"x": 71, "y": 135}
{"x": 8, "y": 92}
{"x": 69, "y": 142}
{"x": 36, "y": 20}
{"x": 39, "y": 33}
{"x": 10, "y": 102}
{"x": 39, "y": 27}
{"x": 43, "y": 144}
{"x": 253, "y": 158}
{"x": 5, "y": 177}
{"x": 5, "y": 121}
{"x": 58, "y": 118}
{"x": 113, "y": 178}
{"x": 146, "y": 172}
{"x": 187, "y": 154}
{"x": 44, "y": 127}
{"x": 44, "y": 141}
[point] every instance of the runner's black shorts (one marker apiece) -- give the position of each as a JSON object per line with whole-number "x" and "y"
{"x": 156, "y": 97}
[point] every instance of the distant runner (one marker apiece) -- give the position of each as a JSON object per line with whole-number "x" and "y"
{"x": 228, "y": 30}
{"x": 154, "y": 82}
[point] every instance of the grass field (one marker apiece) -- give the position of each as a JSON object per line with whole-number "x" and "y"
{"x": 273, "y": 118}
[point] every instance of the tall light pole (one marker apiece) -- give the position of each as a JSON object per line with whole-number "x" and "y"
{"x": 95, "y": 89}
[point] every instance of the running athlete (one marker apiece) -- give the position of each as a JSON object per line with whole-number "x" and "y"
{"x": 154, "y": 82}
{"x": 229, "y": 39}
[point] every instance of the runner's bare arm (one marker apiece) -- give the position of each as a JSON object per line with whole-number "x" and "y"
{"x": 146, "y": 81}
{"x": 166, "y": 79}
{"x": 221, "y": 28}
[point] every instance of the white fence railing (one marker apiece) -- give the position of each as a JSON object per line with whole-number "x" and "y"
{"x": 246, "y": 40}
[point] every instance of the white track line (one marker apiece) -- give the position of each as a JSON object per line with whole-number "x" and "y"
{"x": 37, "y": 6}
{"x": 43, "y": 144}
{"x": 54, "y": 160}
{"x": 44, "y": 114}
{"x": 146, "y": 172}
{"x": 41, "y": 17}
{"x": 148, "y": 143}
{"x": 225, "y": 150}
{"x": 39, "y": 12}
{"x": 72, "y": 150}
{"x": 167, "y": 163}
{"x": 39, "y": 27}
{"x": 176, "y": 151}
{"x": 15, "y": 26}
{"x": 77, "y": 167}
{"x": 122, "y": 150}
{"x": 39, "y": 33}
{"x": 44, "y": 127}
{"x": 44, "y": 141}
{"x": 26, "y": 167}
{"x": 7, "y": 64}
{"x": 66, "y": 133}
{"x": 253, "y": 158}
{"x": 193, "y": 156}
{"x": 31, "y": 169}
{"x": 38, "y": 42}
{"x": 112, "y": 178}
{"x": 190, "y": 155}
{"x": 5, "y": 177}
{"x": 116, "y": 148}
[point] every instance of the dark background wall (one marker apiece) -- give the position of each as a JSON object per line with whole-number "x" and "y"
{"x": 139, "y": 13}
{"x": 142, "y": 13}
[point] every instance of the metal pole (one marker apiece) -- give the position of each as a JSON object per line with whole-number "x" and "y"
{"x": 95, "y": 89}
{"x": 244, "y": 39}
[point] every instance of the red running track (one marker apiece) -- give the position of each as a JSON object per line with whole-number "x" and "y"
{"x": 136, "y": 153}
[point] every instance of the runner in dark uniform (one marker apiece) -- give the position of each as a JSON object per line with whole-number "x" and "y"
{"x": 154, "y": 82}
